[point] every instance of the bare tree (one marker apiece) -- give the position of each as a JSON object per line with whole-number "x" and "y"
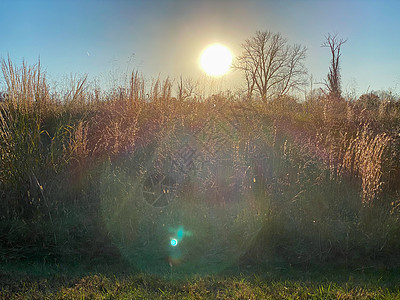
{"x": 333, "y": 82}
{"x": 186, "y": 88}
{"x": 271, "y": 67}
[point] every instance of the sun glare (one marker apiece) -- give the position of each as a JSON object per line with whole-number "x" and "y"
{"x": 216, "y": 60}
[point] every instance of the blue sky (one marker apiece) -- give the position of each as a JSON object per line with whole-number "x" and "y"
{"x": 106, "y": 38}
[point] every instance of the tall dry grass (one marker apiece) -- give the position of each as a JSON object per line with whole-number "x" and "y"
{"x": 325, "y": 170}
{"x": 363, "y": 157}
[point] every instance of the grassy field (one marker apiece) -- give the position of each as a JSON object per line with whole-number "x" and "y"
{"x": 275, "y": 198}
{"x": 46, "y": 282}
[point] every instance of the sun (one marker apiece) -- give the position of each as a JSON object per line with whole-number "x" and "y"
{"x": 216, "y": 60}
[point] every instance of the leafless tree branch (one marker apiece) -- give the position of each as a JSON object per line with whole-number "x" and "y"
{"x": 271, "y": 67}
{"x": 333, "y": 81}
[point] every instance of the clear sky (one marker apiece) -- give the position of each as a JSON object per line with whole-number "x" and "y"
{"x": 102, "y": 38}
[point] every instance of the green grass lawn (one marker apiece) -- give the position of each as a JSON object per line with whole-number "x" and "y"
{"x": 39, "y": 281}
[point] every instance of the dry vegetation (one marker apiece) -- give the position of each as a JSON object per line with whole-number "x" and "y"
{"x": 325, "y": 171}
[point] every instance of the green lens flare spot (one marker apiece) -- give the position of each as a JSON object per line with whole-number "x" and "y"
{"x": 180, "y": 233}
{"x": 174, "y": 242}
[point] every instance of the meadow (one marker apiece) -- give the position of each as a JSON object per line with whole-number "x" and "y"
{"x": 150, "y": 191}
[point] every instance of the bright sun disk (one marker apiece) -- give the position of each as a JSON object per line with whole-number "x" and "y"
{"x": 216, "y": 60}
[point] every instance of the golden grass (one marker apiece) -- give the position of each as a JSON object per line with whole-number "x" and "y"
{"x": 53, "y": 139}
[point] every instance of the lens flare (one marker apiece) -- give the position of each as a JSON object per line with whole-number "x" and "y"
{"x": 214, "y": 215}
